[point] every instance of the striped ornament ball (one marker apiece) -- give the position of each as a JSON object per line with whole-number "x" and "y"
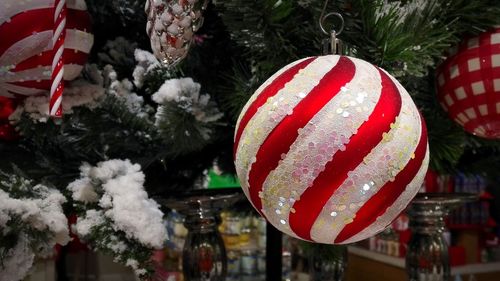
{"x": 469, "y": 85}
{"x": 26, "y": 29}
{"x": 330, "y": 149}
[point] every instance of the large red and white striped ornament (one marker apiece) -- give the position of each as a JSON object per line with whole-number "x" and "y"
{"x": 26, "y": 45}
{"x": 469, "y": 85}
{"x": 331, "y": 149}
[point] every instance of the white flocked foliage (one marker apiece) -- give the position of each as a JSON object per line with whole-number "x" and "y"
{"x": 123, "y": 200}
{"x": 34, "y": 216}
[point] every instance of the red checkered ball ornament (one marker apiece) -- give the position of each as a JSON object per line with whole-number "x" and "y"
{"x": 331, "y": 149}
{"x": 469, "y": 85}
{"x": 26, "y": 29}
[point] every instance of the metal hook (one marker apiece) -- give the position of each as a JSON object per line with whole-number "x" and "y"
{"x": 324, "y": 17}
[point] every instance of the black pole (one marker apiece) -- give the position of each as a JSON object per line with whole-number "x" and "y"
{"x": 273, "y": 254}
{"x": 61, "y": 270}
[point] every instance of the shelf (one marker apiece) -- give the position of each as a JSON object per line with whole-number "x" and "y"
{"x": 468, "y": 226}
{"x": 476, "y": 268}
{"x": 390, "y": 260}
{"x": 400, "y": 262}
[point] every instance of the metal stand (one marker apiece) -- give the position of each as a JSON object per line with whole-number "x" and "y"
{"x": 204, "y": 255}
{"x": 427, "y": 256}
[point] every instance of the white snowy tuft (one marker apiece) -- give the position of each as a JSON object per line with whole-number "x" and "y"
{"x": 123, "y": 89}
{"x": 83, "y": 190}
{"x": 177, "y": 90}
{"x": 44, "y": 214}
{"x": 186, "y": 94}
{"x": 124, "y": 201}
{"x": 402, "y": 10}
{"x": 91, "y": 219}
{"x": 135, "y": 266}
{"x": 146, "y": 62}
{"x": 76, "y": 93}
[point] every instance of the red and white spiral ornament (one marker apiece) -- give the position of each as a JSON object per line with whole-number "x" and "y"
{"x": 331, "y": 149}
{"x": 57, "y": 87}
{"x": 30, "y": 30}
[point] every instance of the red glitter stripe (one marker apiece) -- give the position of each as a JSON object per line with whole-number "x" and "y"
{"x": 270, "y": 91}
{"x": 377, "y": 205}
{"x": 286, "y": 132}
{"x": 369, "y": 135}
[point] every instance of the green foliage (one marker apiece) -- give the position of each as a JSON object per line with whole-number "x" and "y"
{"x": 240, "y": 45}
{"x": 268, "y": 35}
{"x": 113, "y": 18}
{"x": 406, "y": 38}
{"x": 155, "y": 78}
{"x": 88, "y": 135}
{"x": 181, "y": 128}
{"x": 239, "y": 89}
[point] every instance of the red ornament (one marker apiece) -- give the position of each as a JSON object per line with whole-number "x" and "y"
{"x": 26, "y": 45}
{"x": 469, "y": 85}
{"x": 331, "y": 149}
{"x": 7, "y": 107}
{"x": 7, "y": 131}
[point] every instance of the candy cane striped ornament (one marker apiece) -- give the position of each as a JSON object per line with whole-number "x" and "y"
{"x": 26, "y": 45}
{"x": 331, "y": 149}
{"x": 57, "y": 88}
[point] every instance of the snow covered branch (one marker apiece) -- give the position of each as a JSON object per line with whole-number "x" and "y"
{"x": 117, "y": 216}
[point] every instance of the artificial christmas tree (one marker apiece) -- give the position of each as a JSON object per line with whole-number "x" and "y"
{"x": 173, "y": 123}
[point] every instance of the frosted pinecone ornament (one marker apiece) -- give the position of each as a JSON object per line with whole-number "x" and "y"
{"x": 171, "y": 26}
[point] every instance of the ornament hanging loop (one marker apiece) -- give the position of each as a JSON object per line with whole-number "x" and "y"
{"x": 324, "y": 17}
{"x": 332, "y": 45}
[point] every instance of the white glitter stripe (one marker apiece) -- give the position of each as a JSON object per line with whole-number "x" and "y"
{"x": 261, "y": 88}
{"x": 20, "y": 51}
{"x": 33, "y": 74}
{"x": 8, "y": 11}
{"x": 274, "y": 110}
{"x": 395, "y": 209}
{"x": 4, "y": 92}
{"x": 19, "y": 90}
{"x": 71, "y": 71}
{"x": 41, "y": 42}
{"x": 381, "y": 165}
{"x": 327, "y": 133}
